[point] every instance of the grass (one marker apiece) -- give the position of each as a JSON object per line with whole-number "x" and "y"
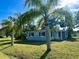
{"x": 37, "y": 50}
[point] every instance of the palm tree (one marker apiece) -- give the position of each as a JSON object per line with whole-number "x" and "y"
{"x": 41, "y": 8}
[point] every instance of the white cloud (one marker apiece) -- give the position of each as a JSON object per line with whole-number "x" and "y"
{"x": 71, "y": 4}
{"x": 0, "y": 26}
{"x": 68, "y": 2}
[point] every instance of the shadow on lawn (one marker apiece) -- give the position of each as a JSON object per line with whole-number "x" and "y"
{"x": 71, "y": 40}
{"x": 5, "y": 47}
{"x": 30, "y": 42}
{"x": 6, "y": 42}
{"x": 45, "y": 54}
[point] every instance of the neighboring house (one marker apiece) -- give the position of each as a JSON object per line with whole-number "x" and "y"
{"x": 76, "y": 30}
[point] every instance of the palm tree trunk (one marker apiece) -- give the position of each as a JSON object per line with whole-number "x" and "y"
{"x": 12, "y": 40}
{"x": 48, "y": 38}
{"x": 48, "y": 33}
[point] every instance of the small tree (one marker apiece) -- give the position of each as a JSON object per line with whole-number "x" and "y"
{"x": 68, "y": 20}
{"x": 8, "y": 27}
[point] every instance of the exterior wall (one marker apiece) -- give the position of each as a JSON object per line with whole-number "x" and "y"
{"x": 64, "y": 35}
{"x": 54, "y": 36}
{"x": 36, "y": 37}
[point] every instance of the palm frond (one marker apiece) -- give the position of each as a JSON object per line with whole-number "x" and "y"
{"x": 53, "y": 2}
{"x": 40, "y": 23}
{"x": 32, "y": 3}
{"x": 28, "y": 16}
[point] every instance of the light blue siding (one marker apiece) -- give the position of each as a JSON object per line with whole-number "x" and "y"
{"x": 54, "y": 35}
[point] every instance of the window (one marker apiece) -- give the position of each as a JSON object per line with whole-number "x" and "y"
{"x": 31, "y": 34}
{"x": 41, "y": 33}
{"x": 51, "y": 34}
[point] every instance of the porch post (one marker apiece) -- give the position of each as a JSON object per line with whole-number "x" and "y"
{"x": 61, "y": 35}
{"x": 57, "y": 35}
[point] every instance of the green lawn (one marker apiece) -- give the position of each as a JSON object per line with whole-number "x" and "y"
{"x": 37, "y": 50}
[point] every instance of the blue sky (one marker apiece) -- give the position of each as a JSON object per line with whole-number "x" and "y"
{"x": 9, "y": 7}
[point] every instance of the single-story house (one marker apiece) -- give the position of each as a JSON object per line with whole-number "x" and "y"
{"x": 55, "y": 35}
